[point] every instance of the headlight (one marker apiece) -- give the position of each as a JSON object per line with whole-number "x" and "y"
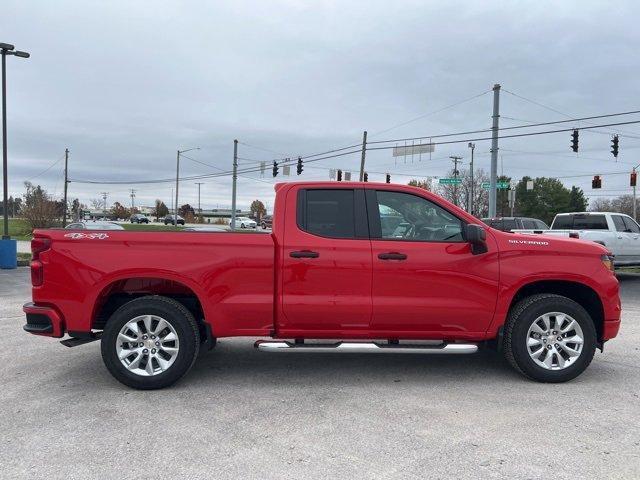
{"x": 607, "y": 261}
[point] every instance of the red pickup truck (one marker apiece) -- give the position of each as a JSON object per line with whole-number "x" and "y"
{"x": 349, "y": 267}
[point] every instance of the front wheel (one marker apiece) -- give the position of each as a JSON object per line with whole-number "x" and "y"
{"x": 150, "y": 342}
{"x": 549, "y": 338}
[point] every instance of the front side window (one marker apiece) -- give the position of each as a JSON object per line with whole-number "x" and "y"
{"x": 630, "y": 225}
{"x": 408, "y": 217}
{"x": 328, "y": 213}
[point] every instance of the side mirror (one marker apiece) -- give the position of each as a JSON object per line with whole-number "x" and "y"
{"x": 477, "y": 238}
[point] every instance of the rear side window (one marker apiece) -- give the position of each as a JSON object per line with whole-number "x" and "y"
{"x": 529, "y": 224}
{"x": 619, "y": 223}
{"x": 509, "y": 224}
{"x": 541, "y": 225}
{"x": 328, "y": 213}
{"x": 630, "y": 225}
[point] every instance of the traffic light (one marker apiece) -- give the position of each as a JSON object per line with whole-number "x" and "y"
{"x": 299, "y": 167}
{"x": 634, "y": 178}
{"x": 365, "y": 177}
{"x": 596, "y": 182}
{"x": 388, "y": 180}
{"x": 339, "y": 175}
{"x": 574, "y": 140}
{"x": 275, "y": 169}
{"x": 614, "y": 146}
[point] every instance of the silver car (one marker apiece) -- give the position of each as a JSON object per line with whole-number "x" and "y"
{"x": 94, "y": 226}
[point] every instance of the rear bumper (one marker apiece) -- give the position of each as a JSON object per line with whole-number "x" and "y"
{"x": 43, "y": 321}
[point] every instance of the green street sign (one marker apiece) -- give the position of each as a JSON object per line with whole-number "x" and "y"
{"x": 499, "y": 185}
{"x": 450, "y": 181}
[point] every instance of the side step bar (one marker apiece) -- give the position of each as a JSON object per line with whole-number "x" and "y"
{"x": 364, "y": 347}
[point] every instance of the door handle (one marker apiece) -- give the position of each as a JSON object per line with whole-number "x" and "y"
{"x": 304, "y": 254}
{"x": 392, "y": 256}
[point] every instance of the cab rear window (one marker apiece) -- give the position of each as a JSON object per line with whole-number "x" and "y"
{"x": 580, "y": 222}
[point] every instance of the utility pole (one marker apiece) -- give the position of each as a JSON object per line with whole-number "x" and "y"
{"x": 472, "y": 146}
{"x": 494, "y": 151}
{"x": 132, "y": 195}
{"x": 364, "y": 154}
{"x": 104, "y": 203}
{"x": 175, "y": 215}
{"x": 199, "y": 209}
{"x": 234, "y": 185}
{"x": 66, "y": 183}
{"x": 455, "y": 161}
{"x": 635, "y": 200}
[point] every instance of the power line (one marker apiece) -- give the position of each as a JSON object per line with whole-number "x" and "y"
{"x": 540, "y": 124}
{"x": 431, "y": 113}
{"x": 47, "y": 169}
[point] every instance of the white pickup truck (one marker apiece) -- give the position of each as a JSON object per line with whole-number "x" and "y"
{"x": 618, "y": 232}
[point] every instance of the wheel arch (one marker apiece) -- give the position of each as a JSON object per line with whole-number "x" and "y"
{"x": 579, "y": 292}
{"x": 118, "y": 291}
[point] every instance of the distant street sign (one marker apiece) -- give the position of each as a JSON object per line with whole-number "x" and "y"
{"x": 529, "y": 184}
{"x": 413, "y": 149}
{"x": 450, "y": 181}
{"x": 499, "y": 185}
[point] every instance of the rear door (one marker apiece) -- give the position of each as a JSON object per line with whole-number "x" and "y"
{"x": 326, "y": 264}
{"x": 426, "y": 281}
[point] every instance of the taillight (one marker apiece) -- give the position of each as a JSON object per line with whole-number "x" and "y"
{"x": 38, "y": 245}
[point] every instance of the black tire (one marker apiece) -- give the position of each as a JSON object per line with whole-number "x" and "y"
{"x": 517, "y": 326}
{"x": 184, "y": 325}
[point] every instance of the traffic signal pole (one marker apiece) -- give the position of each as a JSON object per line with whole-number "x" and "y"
{"x": 635, "y": 200}
{"x": 364, "y": 153}
{"x": 494, "y": 151}
{"x": 234, "y": 185}
{"x": 66, "y": 184}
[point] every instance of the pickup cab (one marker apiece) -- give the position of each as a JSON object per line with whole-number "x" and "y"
{"x": 618, "y": 232}
{"x": 348, "y": 267}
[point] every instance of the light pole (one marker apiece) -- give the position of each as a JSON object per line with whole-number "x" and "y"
{"x": 635, "y": 214}
{"x": 6, "y": 49}
{"x": 180, "y": 152}
{"x": 472, "y": 146}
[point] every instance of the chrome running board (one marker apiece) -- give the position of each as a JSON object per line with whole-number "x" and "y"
{"x": 364, "y": 347}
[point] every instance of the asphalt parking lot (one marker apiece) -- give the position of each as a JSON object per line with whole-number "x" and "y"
{"x": 247, "y": 414}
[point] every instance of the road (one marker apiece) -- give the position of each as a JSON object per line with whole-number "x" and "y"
{"x": 252, "y": 415}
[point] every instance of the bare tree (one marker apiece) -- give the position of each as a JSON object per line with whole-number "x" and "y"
{"x": 461, "y": 193}
{"x": 96, "y": 203}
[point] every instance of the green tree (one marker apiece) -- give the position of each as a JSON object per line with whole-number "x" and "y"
{"x": 186, "y": 210}
{"x": 548, "y": 198}
{"x": 577, "y": 201}
{"x": 161, "y": 209}
{"x": 502, "y": 198}
{"x": 258, "y": 209}
{"x": 118, "y": 211}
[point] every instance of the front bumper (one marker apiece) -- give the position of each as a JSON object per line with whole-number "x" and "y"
{"x": 43, "y": 321}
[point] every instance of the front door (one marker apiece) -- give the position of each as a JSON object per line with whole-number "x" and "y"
{"x": 326, "y": 258}
{"x": 426, "y": 281}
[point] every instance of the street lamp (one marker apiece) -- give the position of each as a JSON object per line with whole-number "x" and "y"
{"x": 7, "y": 247}
{"x": 175, "y": 216}
{"x": 472, "y": 146}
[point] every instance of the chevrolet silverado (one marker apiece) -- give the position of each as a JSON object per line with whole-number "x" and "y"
{"x": 348, "y": 267}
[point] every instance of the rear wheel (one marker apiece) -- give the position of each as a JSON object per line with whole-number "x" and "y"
{"x": 549, "y": 338}
{"x": 150, "y": 342}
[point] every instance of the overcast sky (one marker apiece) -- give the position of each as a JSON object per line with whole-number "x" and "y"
{"x": 124, "y": 84}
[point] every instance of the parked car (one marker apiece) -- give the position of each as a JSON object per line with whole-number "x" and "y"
{"x": 139, "y": 218}
{"x": 618, "y": 232}
{"x": 171, "y": 219}
{"x": 328, "y": 271}
{"x": 511, "y": 224}
{"x": 266, "y": 222}
{"x": 245, "y": 222}
{"x": 95, "y": 225}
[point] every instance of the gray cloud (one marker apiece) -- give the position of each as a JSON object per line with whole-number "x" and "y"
{"x": 124, "y": 84}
